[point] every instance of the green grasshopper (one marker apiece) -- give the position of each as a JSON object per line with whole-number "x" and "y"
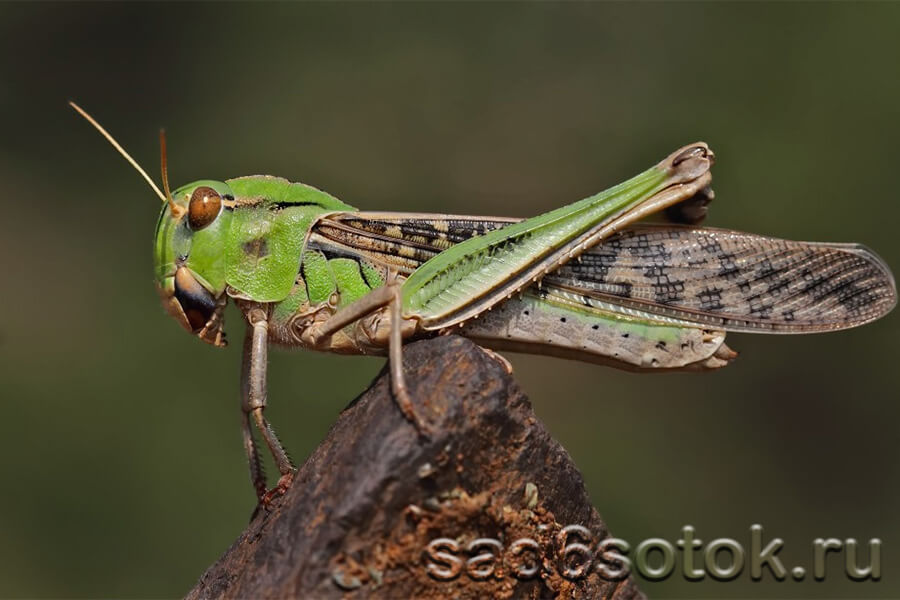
{"x": 583, "y": 281}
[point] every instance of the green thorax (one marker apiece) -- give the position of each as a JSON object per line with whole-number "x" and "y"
{"x": 268, "y": 231}
{"x": 256, "y": 242}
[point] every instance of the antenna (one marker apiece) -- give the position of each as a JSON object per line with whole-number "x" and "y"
{"x": 121, "y": 151}
{"x": 176, "y": 210}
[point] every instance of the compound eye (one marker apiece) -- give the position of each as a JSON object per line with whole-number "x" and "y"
{"x": 204, "y": 207}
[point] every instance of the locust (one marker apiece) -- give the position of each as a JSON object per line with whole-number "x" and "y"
{"x": 587, "y": 281}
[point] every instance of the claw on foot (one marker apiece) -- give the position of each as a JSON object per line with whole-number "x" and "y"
{"x": 283, "y": 485}
{"x": 404, "y": 403}
{"x": 410, "y": 413}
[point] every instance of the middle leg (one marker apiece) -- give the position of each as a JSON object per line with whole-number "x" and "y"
{"x": 389, "y": 295}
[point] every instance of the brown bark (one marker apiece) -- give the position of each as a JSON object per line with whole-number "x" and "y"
{"x": 369, "y": 500}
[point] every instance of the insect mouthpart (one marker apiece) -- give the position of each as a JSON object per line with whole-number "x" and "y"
{"x": 194, "y": 307}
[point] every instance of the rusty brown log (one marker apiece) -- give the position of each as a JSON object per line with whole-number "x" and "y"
{"x": 367, "y": 503}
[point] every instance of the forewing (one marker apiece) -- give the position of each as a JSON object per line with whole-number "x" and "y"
{"x": 733, "y": 280}
{"x": 401, "y": 241}
{"x": 689, "y": 276}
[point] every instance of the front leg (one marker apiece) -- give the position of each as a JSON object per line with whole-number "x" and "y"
{"x": 253, "y": 387}
{"x": 257, "y": 473}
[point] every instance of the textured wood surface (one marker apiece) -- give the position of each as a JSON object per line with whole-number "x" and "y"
{"x": 367, "y": 503}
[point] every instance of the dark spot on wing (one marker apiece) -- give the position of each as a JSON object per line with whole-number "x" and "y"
{"x": 665, "y": 291}
{"x": 622, "y": 289}
{"x": 710, "y": 245}
{"x": 728, "y": 268}
{"x": 776, "y": 287}
{"x": 758, "y": 308}
{"x": 765, "y": 270}
{"x": 710, "y": 298}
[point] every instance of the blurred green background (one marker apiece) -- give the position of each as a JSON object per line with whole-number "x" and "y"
{"x": 122, "y": 468}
